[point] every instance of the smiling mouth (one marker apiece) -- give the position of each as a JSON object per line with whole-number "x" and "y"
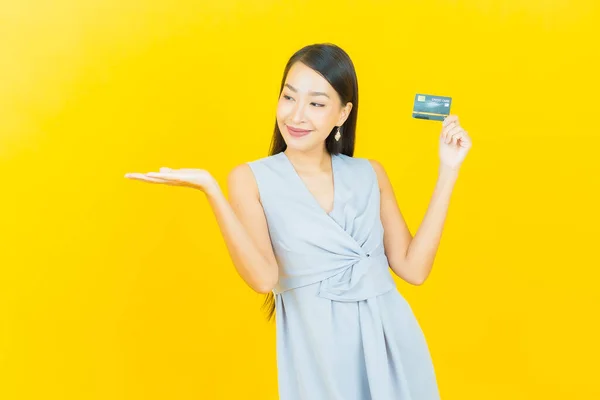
{"x": 297, "y": 132}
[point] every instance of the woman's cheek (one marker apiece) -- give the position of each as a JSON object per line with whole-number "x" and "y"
{"x": 283, "y": 109}
{"x": 318, "y": 115}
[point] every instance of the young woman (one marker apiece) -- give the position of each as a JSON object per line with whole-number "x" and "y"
{"x": 319, "y": 230}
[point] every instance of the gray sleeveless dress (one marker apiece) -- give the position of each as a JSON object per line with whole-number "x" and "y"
{"x": 344, "y": 332}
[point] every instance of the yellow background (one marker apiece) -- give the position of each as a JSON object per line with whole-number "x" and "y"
{"x": 115, "y": 289}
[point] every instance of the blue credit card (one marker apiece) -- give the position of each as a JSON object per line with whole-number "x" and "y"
{"x": 431, "y": 107}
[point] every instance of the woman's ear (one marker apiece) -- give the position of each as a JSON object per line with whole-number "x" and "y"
{"x": 345, "y": 113}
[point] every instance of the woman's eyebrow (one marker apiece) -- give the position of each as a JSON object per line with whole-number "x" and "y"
{"x": 293, "y": 89}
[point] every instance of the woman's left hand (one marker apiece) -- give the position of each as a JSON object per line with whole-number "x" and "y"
{"x": 455, "y": 143}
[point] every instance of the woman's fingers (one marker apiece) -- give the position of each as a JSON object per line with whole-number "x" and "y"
{"x": 453, "y": 132}
{"x": 448, "y": 130}
{"x": 164, "y": 175}
{"x": 450, "y": 119}
{"x": 448, "y": 127}
{"x": 147, "y": 178}
{"x": 134, "y": 175}
{"x": 175, "y": 178}
{"x": 456, "y": 137}
{"x": 191, "y": 177}
{"x": 144, "y": 178}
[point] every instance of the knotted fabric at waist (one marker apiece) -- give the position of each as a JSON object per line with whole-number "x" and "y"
{"x": 366, "y": 276}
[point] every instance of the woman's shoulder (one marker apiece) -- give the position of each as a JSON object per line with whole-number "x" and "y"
{"x": 264, "y": 171}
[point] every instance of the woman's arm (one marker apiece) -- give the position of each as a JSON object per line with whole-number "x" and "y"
{"x": 411, "y": 258}
{"x": 244, "y": 228}
{"x": 242, "y": 221}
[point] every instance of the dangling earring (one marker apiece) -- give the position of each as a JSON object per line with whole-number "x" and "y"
{"x": 338, "y": 135}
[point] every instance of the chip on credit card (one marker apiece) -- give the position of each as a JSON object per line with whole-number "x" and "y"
{"x": 431, "y": 107}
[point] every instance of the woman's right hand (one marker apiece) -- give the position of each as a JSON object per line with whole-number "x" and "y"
{"x": 187, "y": 177}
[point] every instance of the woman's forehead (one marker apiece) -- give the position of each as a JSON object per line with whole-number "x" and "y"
{"x": 304, "y": 79}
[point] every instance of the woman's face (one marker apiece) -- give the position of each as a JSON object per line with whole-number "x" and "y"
{"x": 311, "y": 105}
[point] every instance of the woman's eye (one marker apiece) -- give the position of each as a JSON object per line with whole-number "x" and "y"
{"x": 285, "y": 96}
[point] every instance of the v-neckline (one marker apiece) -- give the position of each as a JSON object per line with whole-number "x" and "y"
{"x": 307, "y": 190}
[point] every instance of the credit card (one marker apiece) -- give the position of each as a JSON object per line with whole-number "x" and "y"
{"x": 431, "y": 107}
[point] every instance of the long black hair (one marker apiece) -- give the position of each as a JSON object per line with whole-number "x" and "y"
{"x": 334, "y": 64}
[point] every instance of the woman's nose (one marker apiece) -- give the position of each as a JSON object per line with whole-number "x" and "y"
{"x": 297, "y": 113}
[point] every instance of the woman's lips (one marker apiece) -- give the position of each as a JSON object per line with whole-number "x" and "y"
{"x": 297, "y": 132}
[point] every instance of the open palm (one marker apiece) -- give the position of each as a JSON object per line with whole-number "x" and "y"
{"x": 188, "y": 177}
